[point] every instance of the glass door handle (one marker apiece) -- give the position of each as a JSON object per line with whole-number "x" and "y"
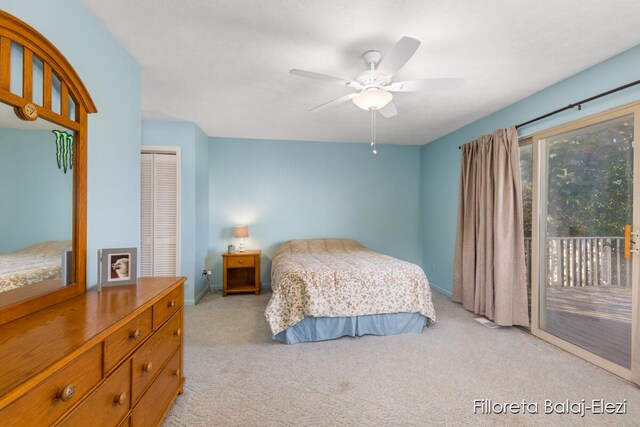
{"x": 630, "y": 239}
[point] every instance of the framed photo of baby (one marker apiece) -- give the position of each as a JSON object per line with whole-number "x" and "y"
{"x": 117, "y": 266}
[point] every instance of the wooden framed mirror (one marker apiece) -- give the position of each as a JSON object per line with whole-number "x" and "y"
{"x": 43, "y": 113}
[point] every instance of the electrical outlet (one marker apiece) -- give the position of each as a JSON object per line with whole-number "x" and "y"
{"x": 209, "y": 273}
{"x": 205, "y": 272}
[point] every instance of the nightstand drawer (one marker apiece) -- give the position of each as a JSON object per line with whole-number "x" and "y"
{"x": 240, "y": 261}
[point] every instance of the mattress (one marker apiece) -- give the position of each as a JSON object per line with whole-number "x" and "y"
{"x": 32, "y": 264}
{"x": 340, "y": 278}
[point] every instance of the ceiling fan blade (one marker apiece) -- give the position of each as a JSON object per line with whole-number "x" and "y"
{"x": 333, "y": 102}
{"x": 425, "y": 84}
{"x": 325, "y": 77}
{"x": 389, "y": 110}
{"x": 399, "y": 56}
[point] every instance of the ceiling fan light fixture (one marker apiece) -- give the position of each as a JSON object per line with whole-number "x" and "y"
{"x": 372, "y": 98}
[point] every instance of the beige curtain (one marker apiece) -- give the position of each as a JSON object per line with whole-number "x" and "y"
{"x": 489, "y": 268}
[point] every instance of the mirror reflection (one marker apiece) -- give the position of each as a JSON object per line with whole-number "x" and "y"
{"x": 36, "y": 206}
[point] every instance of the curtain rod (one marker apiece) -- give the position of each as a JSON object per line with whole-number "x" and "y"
{"x": 577, "y": 104}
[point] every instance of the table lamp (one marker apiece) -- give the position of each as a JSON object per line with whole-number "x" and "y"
{"x": 241, "y": 231}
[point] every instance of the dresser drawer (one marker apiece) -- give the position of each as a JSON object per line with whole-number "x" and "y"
{"x": 126, "y": 339}
{"x": 150, "y": 358}
{"x": 168, "y": 305}
{"x": 155, "y": 401}
{"x": 106, "y": 406}
{"x": 240, "y": 261}
{"x": 49, "y": 400}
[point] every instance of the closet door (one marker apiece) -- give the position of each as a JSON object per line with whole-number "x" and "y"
{"x": 159, "y": 215}
{"x": 146, "y": 215}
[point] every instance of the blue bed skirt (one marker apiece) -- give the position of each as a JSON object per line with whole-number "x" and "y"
{"x": 327, "y": 328}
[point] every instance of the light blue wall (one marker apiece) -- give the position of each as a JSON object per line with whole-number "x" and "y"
{"x": 441, "y": 158}
{"x": 292, "y": 190}
{"x": 201, "y": 211}
{"x": 36, "y": 196}
{"x": 112, "y": 77}
{"x": 194, "y": 194}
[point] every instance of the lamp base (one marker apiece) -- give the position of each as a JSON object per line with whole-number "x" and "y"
{"x": 241, "y": 245}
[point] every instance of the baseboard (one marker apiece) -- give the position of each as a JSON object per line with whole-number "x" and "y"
{"x": 447, "y": 292}
{"x": 198, "y": 297}
{"x": 202, "y": 294}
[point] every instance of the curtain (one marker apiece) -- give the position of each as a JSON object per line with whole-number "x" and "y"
{"x": 489, "y": 267}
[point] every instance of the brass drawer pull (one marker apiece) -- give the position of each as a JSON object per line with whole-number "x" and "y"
{"x": 171, "y": 304}
{"x": 177, "y": 333}
{"x": 176, "y": 373}
{"x": 240, "y": 261}
{"x": 67, "y": 393}
{"x": 147, "y": 367}
{"x": 135, "y": 334}
{"x": 120, "y": 399}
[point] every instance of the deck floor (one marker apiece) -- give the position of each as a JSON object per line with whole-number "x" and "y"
{"x": 596, "y": 318}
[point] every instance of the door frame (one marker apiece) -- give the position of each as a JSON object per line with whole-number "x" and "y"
{"x": 162, "y": 149}
{"x": 537, "y": 217}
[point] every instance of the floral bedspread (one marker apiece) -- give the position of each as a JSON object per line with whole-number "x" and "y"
{"x": 341, "y": 278}
{"x": 35, "y": 263}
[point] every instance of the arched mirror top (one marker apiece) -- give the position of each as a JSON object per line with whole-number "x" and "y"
{"x": 55, "y": 70}
{"x": 38, "y": 82}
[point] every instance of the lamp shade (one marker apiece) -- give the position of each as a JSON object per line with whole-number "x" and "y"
{"x": 241, "y": 231}
{"x": 372, "y": 99}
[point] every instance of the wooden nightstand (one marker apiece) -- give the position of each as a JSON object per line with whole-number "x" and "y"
{"x": 241, "y": 272}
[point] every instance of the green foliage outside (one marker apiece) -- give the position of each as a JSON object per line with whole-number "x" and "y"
{"x": 526, "y": 173}
{"x": 589, "y": 181}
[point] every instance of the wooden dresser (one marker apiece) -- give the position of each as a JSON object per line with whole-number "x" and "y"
{"x": 110, "y": 358}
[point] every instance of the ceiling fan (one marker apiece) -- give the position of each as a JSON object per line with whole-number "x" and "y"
{"x": 375, "y": 85}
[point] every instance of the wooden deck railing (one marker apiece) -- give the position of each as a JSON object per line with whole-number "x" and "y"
{"x": 584, "y": 261}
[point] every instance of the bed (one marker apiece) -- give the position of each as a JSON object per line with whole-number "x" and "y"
{"x": 32, "y": 264}
{"x": 327, "y": 288}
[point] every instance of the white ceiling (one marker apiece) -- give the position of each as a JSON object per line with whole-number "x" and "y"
{"x": 224, "y": 64}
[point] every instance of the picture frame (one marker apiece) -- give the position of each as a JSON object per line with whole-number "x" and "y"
{"x": 117, "y": 267}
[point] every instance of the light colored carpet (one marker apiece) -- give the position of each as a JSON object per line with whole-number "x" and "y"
{"x": 237, "y": 376}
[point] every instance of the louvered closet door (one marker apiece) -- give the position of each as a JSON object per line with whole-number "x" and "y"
{"x": 146, "y": 215}
{"x": 159, "y": 210}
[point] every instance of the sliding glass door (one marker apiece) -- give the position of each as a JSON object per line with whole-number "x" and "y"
{"x": 583, "y": 280}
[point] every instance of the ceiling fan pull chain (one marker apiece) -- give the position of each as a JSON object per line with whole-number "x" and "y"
{"x": 373, "y": 136}
{"x": 373, "y": 131}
